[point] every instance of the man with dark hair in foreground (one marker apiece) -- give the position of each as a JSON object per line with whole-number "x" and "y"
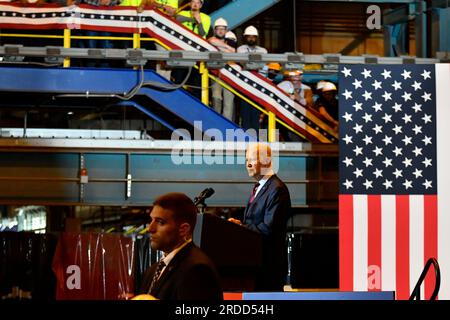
{"x": 185, "y": 272}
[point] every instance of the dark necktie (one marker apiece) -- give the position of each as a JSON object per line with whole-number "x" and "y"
{"x": 254, "y": 192}
{"x": 159, "y": 269}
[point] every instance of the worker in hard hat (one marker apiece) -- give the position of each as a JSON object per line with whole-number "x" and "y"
{"x": 273, "y": 72}
{"x": 196, "y": 21}
{"x": 327, "y": 103}
{"x": 298, "y": 91}
{"x": 250, "y": 38}
{"x": 231, "y": 39}
{"x": 199, "y": 23}
{"x": 249, "y": 114}
{"x": 169, "y": 7}
{"x": 222, "y": 99}
{"x": 218, "y": 39}
{"x": 320, "y": 85}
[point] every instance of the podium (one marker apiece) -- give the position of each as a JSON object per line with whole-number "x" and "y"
{"x": 235, "y": 250}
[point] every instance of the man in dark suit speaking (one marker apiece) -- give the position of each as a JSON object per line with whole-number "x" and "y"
{"x": 267, "y": 212}
{"x": 185, "y": 272}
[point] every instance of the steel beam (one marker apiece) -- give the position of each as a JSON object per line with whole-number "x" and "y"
{"x": 135, "y": 172}
{"x": 441, "y": 30}
{"x": 421, "y": 29}
{"x": 238, "y": 12}
{"x": 190, "y": 57}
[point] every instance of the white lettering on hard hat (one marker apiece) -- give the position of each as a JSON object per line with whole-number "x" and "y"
{"x": 74, "y": 280}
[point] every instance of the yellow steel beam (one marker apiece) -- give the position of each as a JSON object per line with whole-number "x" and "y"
{"x": 205, "y": 83}
{"x": 67, "y": 41}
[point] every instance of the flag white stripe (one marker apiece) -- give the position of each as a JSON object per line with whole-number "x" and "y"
{"x": 360, "y": 242}
{"x": 388, "y": 238}
{"x": 443, "y": 157}
{"x": 279, "y": 94}
{"x": 416, "y": 240}
{"x": 274, "y": 103}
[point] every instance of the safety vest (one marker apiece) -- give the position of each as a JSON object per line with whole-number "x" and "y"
{"x": 206, "y": 22}
{"x": 170, "y": 3}
{"x": 131, "y": 3}
{"x": 136, "y": 3}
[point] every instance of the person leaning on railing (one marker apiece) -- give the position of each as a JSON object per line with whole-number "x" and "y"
{"x": 169, "y": 7}
{"x": 200, "y": 24}
{"x": 222, "y": 99}
{"x": 95, "y": 43}
{"x": 194, "y": 20}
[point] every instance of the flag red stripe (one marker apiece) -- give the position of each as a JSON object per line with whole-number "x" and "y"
{"x": 402, "y": 246}
{"x": 374, "y": 241}
{"x": 346, "y": 242}
{"x": 431, "y": 239}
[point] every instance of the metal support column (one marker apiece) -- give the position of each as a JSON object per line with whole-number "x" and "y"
{"x": 421, "y": 29}
{"x": 272, "y": 134}
{"x": 441, "y": 30}
{"x": 67, "y": 44}
{"x": 205, "y": 83}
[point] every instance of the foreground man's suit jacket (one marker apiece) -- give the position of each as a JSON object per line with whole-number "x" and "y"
{"x": 190, "y": 275}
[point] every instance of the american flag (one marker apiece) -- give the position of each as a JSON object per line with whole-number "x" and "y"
{"x": 394, "y": 162}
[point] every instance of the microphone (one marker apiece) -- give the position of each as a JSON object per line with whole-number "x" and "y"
{"x": 208, "y": 192}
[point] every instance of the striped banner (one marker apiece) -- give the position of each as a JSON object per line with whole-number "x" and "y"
{"x": 160, "y": 26}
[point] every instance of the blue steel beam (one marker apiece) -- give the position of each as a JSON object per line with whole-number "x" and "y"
{"x": 150, "y": 114}
{"x": 238, "y": 12}
{"x": 114, "y": 81}
{"x": 46, "y": 176}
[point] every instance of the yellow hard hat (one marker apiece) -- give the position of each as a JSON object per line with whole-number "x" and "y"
{"x": 144, "y": 297}
{"x": 274, "y": 66}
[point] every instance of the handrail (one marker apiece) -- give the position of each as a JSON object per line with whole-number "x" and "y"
{"x": 415, "y": 294}
{"x": 137, "y": 39}
{"x": 253, "y": 104}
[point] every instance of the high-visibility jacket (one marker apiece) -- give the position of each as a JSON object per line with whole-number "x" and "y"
{"x": 186, "y": 18}
{"x": 170, "y": 3}
{"x": 136, "y": 3}
{"x": 131, "y": 3}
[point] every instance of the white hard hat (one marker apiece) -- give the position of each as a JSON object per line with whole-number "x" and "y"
{"x": 329, "y": 86}
{"x": 320, "y": 84}
{"x": 230, "y": 35}
{"x": 287, "y": 87}
{"x": 221, "y": 22}
{"x": 251, "y": 31}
